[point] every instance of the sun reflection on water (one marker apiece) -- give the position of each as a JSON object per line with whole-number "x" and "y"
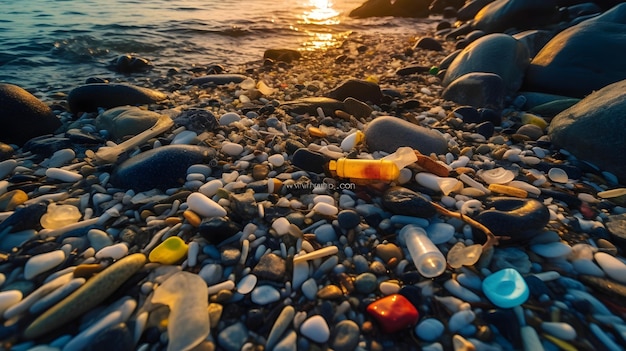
{"x": 316, "y": 21}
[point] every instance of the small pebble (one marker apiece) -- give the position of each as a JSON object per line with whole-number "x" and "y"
{"x": 264, "y": 295}
{"x": 171, "y": 251}
{"x": 316, "y": 329}
{"x": 203, "y": 206}
{"x": 42, "y": 263}
{"x": 115, "y": 252}
{"x": 429, "y": 329}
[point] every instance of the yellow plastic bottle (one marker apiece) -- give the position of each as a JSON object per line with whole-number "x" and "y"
{"x": 384, "y": 170}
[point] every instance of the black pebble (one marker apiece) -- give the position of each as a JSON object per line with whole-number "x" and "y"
{"x": 309, "y": 161}
{"x": 218, "y": 229}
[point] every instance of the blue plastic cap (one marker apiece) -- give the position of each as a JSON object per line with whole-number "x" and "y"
{"x": 506, "y": 288}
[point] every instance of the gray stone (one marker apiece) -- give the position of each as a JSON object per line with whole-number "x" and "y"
{"x": 477, "y": 89}
{"x": 387, "y": 133}
{"x": 87, "y": 98}
{"x": 500, "y": 54}
{"x": 233, "y": 337}
{"x": 579, "y": 60}
{"x": 219, "y": 79}
{"x": 126, "y": 120}
{"x": 403, "y": 201}
{"x": 365, "y": 283}
{"x": 359, "y": 89}
{"x": 161, "y": 168}
{"x": 501, "y": 15}
{"x": 23, "y": 116}
{"x": 534, "y": 99}
{"x": 271, "y": 267}
{"x": 593, "y": 129}
{"x": 345, "y": 336}
{"x": 532, "y": 131}
{"x": 357, "y": 108}
{"x": 553, "y": 108}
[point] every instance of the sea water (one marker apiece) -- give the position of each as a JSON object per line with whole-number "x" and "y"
{"x": 53, "y": 45}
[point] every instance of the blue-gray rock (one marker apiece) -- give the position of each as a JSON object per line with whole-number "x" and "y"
{"x": 124, "y": 121}
{"x": 386, "y": 133}
{"x": 500, "y": 54}
{"x": 348, "y": 219}
{"x": 310, "y": 105}
{"x": 24, "y": 218}
{"x": 402, "y": 201}
{"x": 23, "y": 116}
{"x": 477, "y": 89}
{"x": 218, "y": 79}
{"x": 519, "y": 219}
{"x": 233, "y": 337}
{"x": 580, "y": 59}
{"x": 365, "y": 283}
{"x": 501, "y": 15}
{"x": 593, "y": 129}
{"x": 87, "y": 98}
{"x": 553, "y": 108}
{"x": 161, "y": 168}
{"x": 399, "y": 8}
{"x": 345, "y": 336}
{"x": 359, "y": 89}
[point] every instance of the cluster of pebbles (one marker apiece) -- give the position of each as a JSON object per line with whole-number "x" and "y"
{"x": 252, "y": 250}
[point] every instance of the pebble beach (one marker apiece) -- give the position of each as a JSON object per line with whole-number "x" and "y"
{"x": 437, "y": 190}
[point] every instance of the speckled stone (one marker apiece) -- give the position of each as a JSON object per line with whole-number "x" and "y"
{"x": 386, "y": 133}
{"x": 345, "y": 336}
{"x": 271, "y": 267}
{"x": 403, "y": 201}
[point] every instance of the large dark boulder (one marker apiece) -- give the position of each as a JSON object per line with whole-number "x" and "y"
{"x": 23, "y": 116}
{"x": 87, "y": 98}
{"x": 400, "y": 8}
{"x": 501, "y": 15}
{"x": 593, "y": 129}
{"x": 359, "y": 89}
{"x": 579, "y": 60}
{"x": 500, "y": 54}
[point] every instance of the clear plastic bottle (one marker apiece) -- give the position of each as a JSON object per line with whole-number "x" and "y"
{"x": 427, "y": 258}
{"x": 384, "y": 170}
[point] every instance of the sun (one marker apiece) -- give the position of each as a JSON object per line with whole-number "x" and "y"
{"x": 321, "y": 12}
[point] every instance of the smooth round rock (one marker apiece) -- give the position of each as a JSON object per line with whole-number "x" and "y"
{"x": 598, "y": 120}
{"x": 325, "y": 233}
{"x": 499, "y": 54}
{"x": 613, "y": 267}
{"x": 42, "y": 263}
{"x": 161, "y": 168}
{"x": 359, "y": 89}
{"x": 115, "y": 252}
{"x": 428, "y": 43}
{"x": 365, "y": 283}
{"x": 171, "y": 251}
{"x": 23, "y": 116}
{"x": 594, "y": 44}
{"x": 345, "y": 336}
{"x": 386, "y": 133}
{"x": 205, "y": 207}
{"x": 229, "y": 118}
{"x": 126, "y": 120}
{"x": 501, "y": 15}
{"x": 477, "y": 89}
{"x": 316, "y": 329}
{"x": 348, "y": 219}
{"x": 87, "y": 98}
{"x": 403, "y": 201}
{"x": 429, "y": 329}
{"x": 265, "y": 294}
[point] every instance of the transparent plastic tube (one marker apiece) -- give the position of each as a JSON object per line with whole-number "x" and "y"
{"x": 427, "y": 258}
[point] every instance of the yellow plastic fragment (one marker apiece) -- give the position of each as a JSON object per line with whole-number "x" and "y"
{"x": 192, "y": 218}
{"x": 508, "y": 190}
{"x": 170, "y": 251}
{"x": 316, "y": 132}
{"x": 529, "y": 118}
{"x": 608, "y": 194}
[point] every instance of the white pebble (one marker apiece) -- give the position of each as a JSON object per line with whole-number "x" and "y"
{"x": 300, "y": 273}
{"x": 460, "y": 162}
{"x": 42, "y": 263}
{"x": 281, "y": 225}
{"x": 115, "y": 252}
{"x": 9, "y": 298}
{"x": 496, "y": 176}
{"x": 229, "y": 117}
{"x": 203, "y": 206}
{"x": 388, "y": 288}
{"x": 405, "y": 176}
{"x": 325, "y": 209}
{"x": 429, "y": 329}
{"x": 276, "y": 160}
{"x": 309, "y": 289}
{"x": 316, "y": 329}
{"x": 613, "y": 267}
{"x": 210, "y": 188}
{"x": 232, "y": 149}
{"x": 63, "y": 175}
{"x": 265, "y": 294}
{"x": 350, "y": 141}
{"x": 247, "y": 284}
{"x": 324, "y": 198}
{"x": 552, "y": 250}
